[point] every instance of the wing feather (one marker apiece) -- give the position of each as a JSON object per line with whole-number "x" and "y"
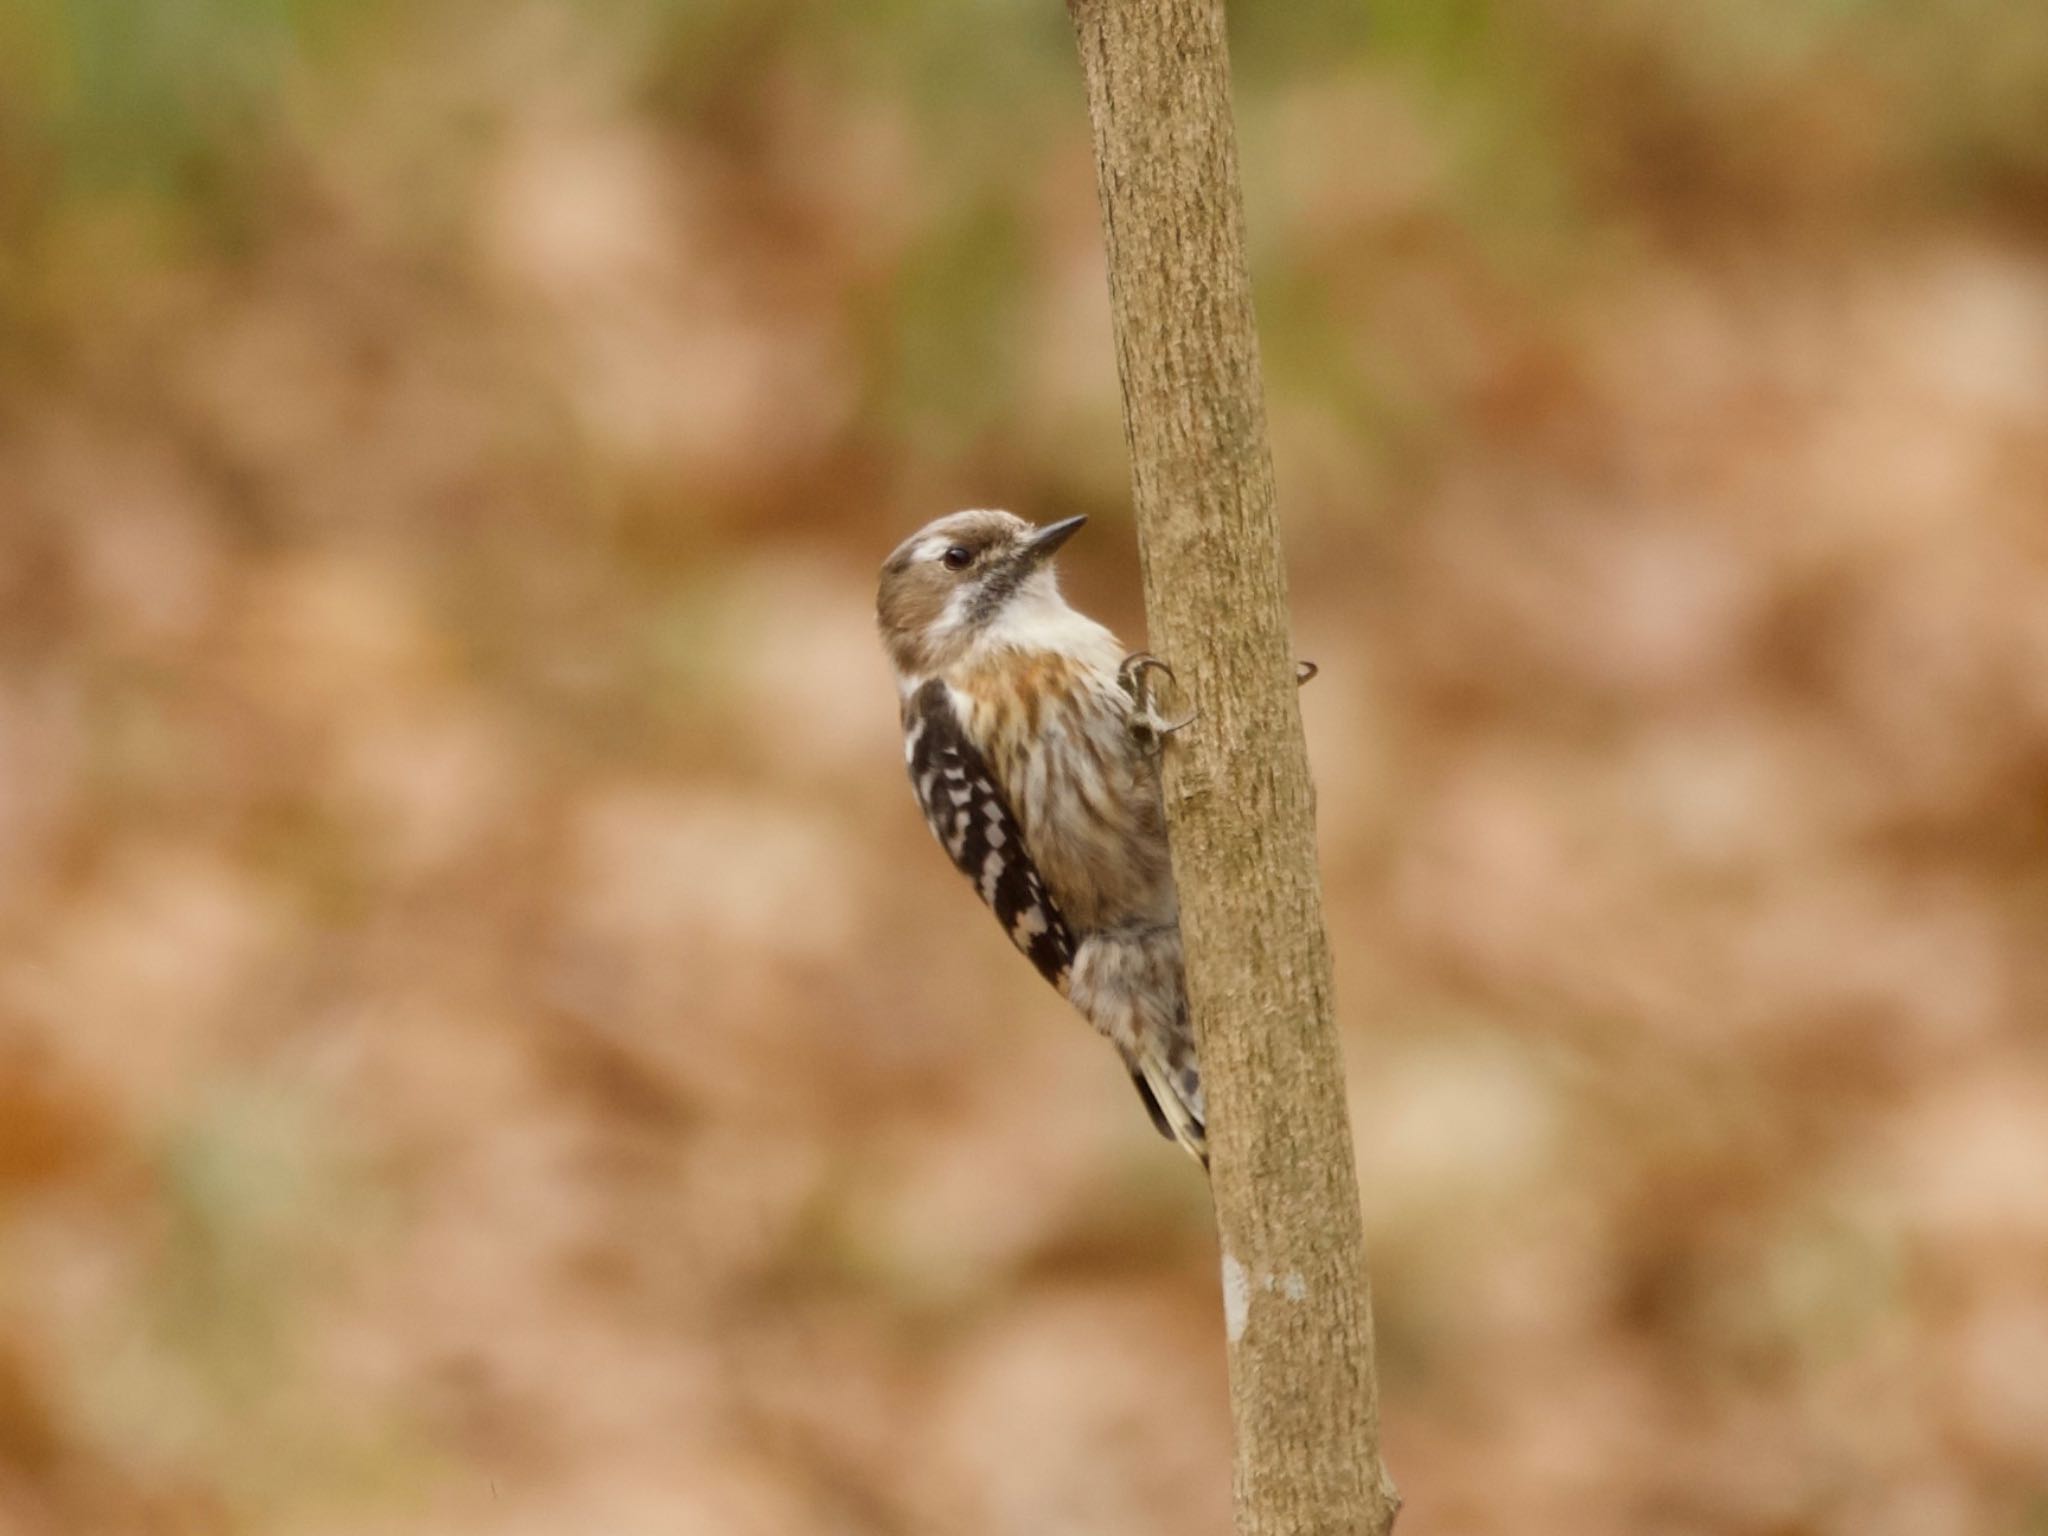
{"x": 964, "y": 806}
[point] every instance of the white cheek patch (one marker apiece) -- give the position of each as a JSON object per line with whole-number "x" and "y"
{"x": 954, "y": 614}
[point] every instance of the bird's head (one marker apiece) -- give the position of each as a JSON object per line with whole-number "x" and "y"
{"x": 961, "y": 579}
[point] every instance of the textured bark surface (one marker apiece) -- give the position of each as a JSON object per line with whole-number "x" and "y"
{"x": 1297, "y": 1303}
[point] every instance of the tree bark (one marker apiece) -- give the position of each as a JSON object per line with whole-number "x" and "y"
{"x": 1240, "y": 810}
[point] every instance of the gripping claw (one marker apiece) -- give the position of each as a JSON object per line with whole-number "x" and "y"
{"x": 1131, "y": 676}
{"x": 1305, "y": 673}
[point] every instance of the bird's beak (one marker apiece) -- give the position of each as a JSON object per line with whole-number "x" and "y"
{"x": 1041, "y": 545}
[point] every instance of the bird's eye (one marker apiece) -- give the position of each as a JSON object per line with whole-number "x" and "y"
{"x": 958, "y": 558}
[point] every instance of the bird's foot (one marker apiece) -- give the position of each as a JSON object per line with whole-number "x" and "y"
{"x": 1147, "y": 722}
{"x": 1305, "y": 673}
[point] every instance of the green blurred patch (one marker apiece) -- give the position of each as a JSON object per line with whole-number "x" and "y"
{"x": 247, "y": 1192}
{"x": 945, "y": 342}
{"x": 177, "y": 99}
{"x": 260, "y": 1214}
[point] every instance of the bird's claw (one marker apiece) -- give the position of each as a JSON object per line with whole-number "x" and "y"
{"x": 1131, "y": 674}
{"x": 1145, "y": 717}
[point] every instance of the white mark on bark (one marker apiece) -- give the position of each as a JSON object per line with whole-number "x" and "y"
{"x": 1237, "y": 1297}
{"x": 1238, "y": 1286}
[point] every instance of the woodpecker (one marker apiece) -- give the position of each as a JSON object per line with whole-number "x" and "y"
{"x": 1033, "y": 745}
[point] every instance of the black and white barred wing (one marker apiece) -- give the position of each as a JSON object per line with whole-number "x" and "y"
{"x": 965, "y": 808}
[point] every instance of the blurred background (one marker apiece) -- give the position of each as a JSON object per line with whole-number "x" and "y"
{"x": 486, "y": 1042}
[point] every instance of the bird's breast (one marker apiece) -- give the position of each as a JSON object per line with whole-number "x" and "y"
{"x": 1055, "y": 731}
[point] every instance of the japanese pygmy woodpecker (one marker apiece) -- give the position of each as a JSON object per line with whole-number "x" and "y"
{"x": 1033, "y": 746}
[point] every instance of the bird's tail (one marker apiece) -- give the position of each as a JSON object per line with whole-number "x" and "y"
{"x": 1172, "y": 1091}
{"x": 1127, "y": 982}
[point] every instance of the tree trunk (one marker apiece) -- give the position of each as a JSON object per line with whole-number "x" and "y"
{"x": 1240, "y": 810}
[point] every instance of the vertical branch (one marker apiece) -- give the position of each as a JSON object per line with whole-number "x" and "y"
{"x": 1297, "y": 1303}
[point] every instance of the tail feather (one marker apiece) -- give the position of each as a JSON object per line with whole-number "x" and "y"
{"x": 1174, "y": 1101}
{"x": 1159, "y": 1121}
{"x": 1127, "y": 982}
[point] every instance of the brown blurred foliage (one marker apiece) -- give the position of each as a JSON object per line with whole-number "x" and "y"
{"x": 485, "y": 1045}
